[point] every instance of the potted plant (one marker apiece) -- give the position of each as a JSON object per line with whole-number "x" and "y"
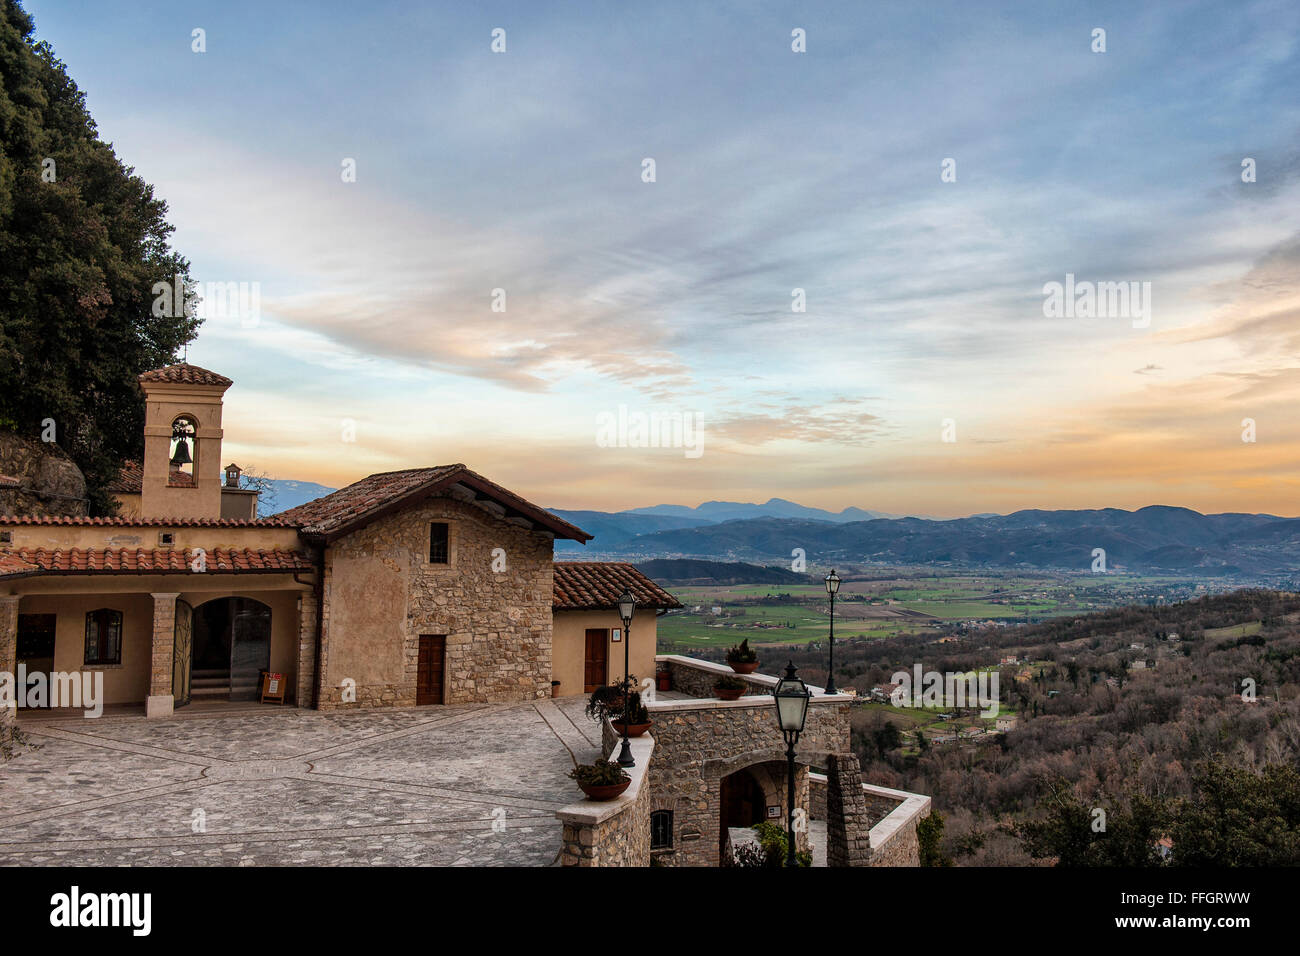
{"x": 607, "y": 701}
{"x": 742, "y": 659}
{"x": 729, "y": 688}
{"x": 635, "y": 715}
{"x": 602, "y": 780}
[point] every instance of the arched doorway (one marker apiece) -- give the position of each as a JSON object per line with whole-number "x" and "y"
{"x": 743, "y": 803}
{"x": 231, "y": 646}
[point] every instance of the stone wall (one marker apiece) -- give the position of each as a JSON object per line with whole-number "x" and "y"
{"x": 614, "y": 832}
{"x": 9, "y": 653}
{"x": 701, "y": 742}
{"x": 892, "y": 814}
{"x": 696, "y": 678}
{"x": 381, "y": 594}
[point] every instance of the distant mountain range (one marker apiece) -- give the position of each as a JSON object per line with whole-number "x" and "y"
{"x": 688, "y": 572}
{"x": 1151, "y": 540}
{"x": 1156, "y": 539}
{"x": 290, "y": 494}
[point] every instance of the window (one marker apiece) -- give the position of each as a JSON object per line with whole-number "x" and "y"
{"x": 438, "y": 543}
{"x": 6, "y": 537}
{"x": 661, "y": 830}
{"x": 104, "y": 637}
{"x": 166, "y": 539}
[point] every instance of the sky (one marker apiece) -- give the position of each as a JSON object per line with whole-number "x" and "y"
{"x": 922, "y": 172}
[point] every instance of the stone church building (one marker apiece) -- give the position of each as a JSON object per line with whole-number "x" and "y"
{"x": 423, "y": 586}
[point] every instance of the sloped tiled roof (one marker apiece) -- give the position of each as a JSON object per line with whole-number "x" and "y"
{"x": 129, "y": 479}
{"x": 597, "y": 585}
{"x": 81, "y": 520}
{"x": 22, "y": 562}
{"x": 376, "y": 495}
{"x": 9, "y": 481}
{"x": 183, "y": 373}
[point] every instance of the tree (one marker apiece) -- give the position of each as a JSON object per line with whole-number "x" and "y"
{"x": 1237, "y": 817}
{"x": 929, "y": 834}
{"x": 83, "y": 242}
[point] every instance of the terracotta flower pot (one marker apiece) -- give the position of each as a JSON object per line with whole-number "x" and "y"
{"x": 633, "y": 730}
{"x": 725, "y": 694}
{"x": 744, "y": 668}
{"x": 607, "y": 791}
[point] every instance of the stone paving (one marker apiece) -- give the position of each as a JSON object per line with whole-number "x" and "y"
{"x": 463, "y": 785}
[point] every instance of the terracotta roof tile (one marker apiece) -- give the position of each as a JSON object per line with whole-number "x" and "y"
{"x": 129, "y": 480}
{"x": 21, "y": 562}
{"x": 183, "y": 373}
{"x": 81, "y": 520}
{"x": 597, "y": 585}
{"x": 9, "y": 481}
{"x": 365, "y": 500}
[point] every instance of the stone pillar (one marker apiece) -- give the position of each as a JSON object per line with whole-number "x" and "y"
{"x": 848, "y": 826}
{"x": 9, "y": 655}
{"x": 161, "y": 700}
{"x": 306, "y": 649}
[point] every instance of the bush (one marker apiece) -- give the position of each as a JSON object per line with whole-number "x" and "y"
{"x": 729, "y": 683}
{"x": 771, "y": 850}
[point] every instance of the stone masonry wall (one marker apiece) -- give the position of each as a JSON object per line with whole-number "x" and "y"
{"x": 700, "y": 743}
{"x": 623, "y": 838}
{"x": 9, "y": 651}
{"x": 381, "y": 594}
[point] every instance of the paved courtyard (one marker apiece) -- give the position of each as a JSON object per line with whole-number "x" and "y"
{"x": 466, "y": 785}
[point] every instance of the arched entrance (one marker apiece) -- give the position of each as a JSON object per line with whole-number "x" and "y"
{"x": 743, "y": 803}
{"x": 231, "y": 645}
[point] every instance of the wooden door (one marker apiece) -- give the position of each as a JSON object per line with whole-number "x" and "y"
{"x": 595, "y": 671}
{"x": 429, "y": 671}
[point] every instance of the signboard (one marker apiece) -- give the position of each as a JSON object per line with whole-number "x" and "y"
{"x": 774, "y": 812}
{"x": 616, "y": 635}
{"x": 272, "y": 688}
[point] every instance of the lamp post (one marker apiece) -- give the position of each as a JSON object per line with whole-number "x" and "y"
{"x": 832, "y": 586}
{"x": 626, "y": 608}
{"x": 792, "y": 696}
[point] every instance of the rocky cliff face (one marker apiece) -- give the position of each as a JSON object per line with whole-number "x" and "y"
{"x": 37, "y": 478}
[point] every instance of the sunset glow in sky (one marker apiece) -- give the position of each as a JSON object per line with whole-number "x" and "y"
{"x": 775, "y": 170}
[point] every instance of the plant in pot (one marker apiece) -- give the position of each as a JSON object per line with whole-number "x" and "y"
{"x": 636, "y": 715}
{"x": 729, "y": 688}
{"x": 607, "y": 700}
{"x": 743, "y": 659}
{"x": 602, "y": 780}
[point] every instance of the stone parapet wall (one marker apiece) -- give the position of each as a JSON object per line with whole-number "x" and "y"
{"x": 894, "y": 815}
{"x": 696, "y": 678}
{"x": 9, "y": 654}
{"x": 614, "y": 832}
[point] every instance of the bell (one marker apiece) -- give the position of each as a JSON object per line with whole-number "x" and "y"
{"x": 181, "y": 456}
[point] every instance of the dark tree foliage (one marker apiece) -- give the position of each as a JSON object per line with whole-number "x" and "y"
{"x": 82, "y": 243}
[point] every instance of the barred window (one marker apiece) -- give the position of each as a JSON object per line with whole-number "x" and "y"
{"x": 661, "y": 830}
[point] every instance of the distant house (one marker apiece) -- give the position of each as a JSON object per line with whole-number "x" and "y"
{"x": 1007, "y": 722}
{"x": 1136, "y": 647}
{"x": 1138, "y": 665}
{"x": 894, "y": 694}
{"x": 1010, "y": 661}
{"x": 1165, "y": 847}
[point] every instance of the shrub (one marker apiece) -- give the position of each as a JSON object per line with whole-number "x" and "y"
{"x": 729, "y": 683}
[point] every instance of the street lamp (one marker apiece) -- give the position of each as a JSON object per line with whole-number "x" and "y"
{"x": 832, "y": 586}
{"x": 792, "y": 696}
{"x": 626, "y": 607}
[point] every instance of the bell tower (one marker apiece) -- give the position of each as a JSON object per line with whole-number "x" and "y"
{"x": 182, "y": 442}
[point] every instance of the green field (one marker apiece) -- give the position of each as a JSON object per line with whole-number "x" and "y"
{"x": 891, "y": 603}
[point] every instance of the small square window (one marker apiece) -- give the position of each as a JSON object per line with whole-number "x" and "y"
{"x": 6, "y": 537}
{"x": 166, "y": 539}
{"x": 438, "y": 543}
{"x": 661, "y": 830}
